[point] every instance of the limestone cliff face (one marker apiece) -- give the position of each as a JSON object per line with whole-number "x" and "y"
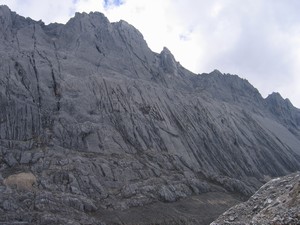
{"x": 104, "y": 124}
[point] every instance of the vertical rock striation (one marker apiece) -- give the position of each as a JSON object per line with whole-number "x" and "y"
{"x": 104, "y": 124}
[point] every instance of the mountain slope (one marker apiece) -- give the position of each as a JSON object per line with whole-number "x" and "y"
{"x": 93, "y": 122}
{"x": 277, "y": 202}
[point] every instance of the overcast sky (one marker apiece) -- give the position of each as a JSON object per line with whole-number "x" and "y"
{"x": 256, "y": 39}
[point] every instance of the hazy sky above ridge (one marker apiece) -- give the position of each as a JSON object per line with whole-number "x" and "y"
{"x": 256, "y": 39}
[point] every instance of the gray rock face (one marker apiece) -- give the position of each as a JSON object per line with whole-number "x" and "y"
{"x": 277, "y": 202}
{"x": 104, "y": 125}
{"x": 284, "y": 111}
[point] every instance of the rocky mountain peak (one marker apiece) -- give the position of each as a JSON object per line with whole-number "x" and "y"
{"x": 11, "y": 23}
{"x": 284, "y": 110}
{"x": 131, "y": 35}
{"x": 4, "y": 11}
{"x": 229, "y": 88}
{"x": 5, "y": 17}
{"x": 216, "y": 72}
{"x": 168, "y": 62}
{"x": 86, "y": 23}
{"x": 96, "y": 18}
{"x": 95, "y": 128}
{"x": 276, "y": 98}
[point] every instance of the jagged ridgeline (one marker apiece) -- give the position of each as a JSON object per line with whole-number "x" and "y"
{"x": 95, "y": 128}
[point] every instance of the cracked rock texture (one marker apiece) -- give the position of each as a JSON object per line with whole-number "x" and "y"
{"x": 94, "y": 124}
{"x": 277, "y": 202}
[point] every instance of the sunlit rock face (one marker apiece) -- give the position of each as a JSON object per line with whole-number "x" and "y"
{"x": 102, "y": 125}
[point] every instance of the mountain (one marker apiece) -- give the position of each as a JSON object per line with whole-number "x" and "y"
{"x": 95, "y": 128}
{"x": 277, "y": 202}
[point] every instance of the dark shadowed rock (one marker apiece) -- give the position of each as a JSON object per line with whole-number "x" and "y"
{"x": 107, "y": 126}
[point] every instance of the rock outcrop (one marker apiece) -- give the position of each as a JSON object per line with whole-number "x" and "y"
{"x": 277, "y": 202}
{"x": 105, "y": 126}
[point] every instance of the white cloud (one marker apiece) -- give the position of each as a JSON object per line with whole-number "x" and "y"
{"x": 48, "y": 11}
{"x": 89, "y": 6}
{"x": 256, "y": 39}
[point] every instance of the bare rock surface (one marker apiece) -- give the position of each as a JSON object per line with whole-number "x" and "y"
{"x": 100, "y": 123}
{"x": 277, "y": 202}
